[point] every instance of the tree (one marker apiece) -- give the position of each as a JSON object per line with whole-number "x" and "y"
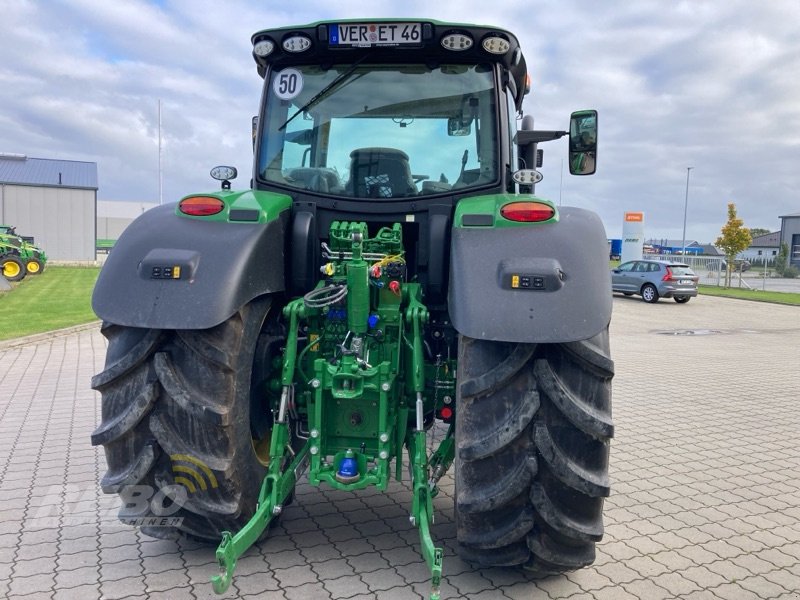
{"x": 734, "y": 239}
{"x": 757, "y": 231}
{"x": 782, "y": 259}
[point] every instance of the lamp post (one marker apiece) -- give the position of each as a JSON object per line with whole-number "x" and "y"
{"x": 685, "y": 206}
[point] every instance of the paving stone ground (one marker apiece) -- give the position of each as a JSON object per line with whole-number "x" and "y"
{"x": 705, "y": 473}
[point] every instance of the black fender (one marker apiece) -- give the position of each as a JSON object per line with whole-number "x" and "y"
{"x": 563, "y": 288}
{"x": 220, "y": 267}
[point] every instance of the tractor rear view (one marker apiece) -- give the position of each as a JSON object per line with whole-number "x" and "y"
{"x": 388, "y": 272}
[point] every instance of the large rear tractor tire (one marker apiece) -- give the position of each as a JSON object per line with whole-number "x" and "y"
{"x": 533, "y": 430}
{"x": 12, "y": 268}
{"x": 185, "y": 415}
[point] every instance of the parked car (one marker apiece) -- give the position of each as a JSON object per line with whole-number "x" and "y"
{"x": 654, "y": 279}
{"x": 739, "y": 265}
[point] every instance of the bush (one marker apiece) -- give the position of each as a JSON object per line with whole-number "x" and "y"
{"x": 791, "y": 272}
{"x": 781, "y": 261}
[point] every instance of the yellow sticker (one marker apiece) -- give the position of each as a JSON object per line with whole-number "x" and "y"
{"x": 176, "y": 272}
{"x": 312, "y": 338}
{"x": 515, "y": 281}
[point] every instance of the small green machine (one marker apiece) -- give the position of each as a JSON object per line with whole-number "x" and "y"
{"x": 33, "y": 258}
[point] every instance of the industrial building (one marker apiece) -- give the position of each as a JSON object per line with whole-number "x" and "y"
{"x": 113, "y": 216}
{"x": 55, "y": 201}
{"x": 790, "y": 235}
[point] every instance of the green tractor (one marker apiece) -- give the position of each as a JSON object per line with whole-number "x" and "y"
{"x": 387, "y": 274}
{"x": 32, "y": 257}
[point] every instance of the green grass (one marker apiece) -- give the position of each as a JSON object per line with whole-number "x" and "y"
{"x": 59, "y": 297}
{"x": 757, "y": 295}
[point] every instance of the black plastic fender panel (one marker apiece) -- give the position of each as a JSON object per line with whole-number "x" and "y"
{"x": 169, "y": 272}
{"x": 544, "y": 283}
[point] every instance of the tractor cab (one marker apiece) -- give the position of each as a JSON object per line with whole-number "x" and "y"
{"x": 386, "y": 111}
{"x": 388, "y": 122}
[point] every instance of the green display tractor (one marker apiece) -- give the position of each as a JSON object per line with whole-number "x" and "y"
{"x": 32, "y": 257}
{"x": 388, "y": 274}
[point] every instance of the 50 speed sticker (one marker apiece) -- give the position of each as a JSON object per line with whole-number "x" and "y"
{"x": 288, "y": 84}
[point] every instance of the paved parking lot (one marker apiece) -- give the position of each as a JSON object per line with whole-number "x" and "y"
{"x": 705, "y": 472}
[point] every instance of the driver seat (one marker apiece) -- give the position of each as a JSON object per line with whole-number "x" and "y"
{"x": 380, "y": 173}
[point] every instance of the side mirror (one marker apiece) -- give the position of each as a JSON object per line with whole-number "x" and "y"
{"x": 456, "y": 127}
{"x": 583, "y": 142}
{"x": 304, "y": 137}
{"x": 462, "y": 124}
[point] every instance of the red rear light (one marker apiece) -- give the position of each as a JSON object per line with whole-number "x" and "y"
{"x": 446, "y": 414}
{"x": 528, "y": 212}
{"x": 201, "y": 206}
{"x": 668, "y": 276}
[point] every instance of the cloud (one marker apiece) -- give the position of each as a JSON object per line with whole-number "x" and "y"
{"x": 695, "y": 83}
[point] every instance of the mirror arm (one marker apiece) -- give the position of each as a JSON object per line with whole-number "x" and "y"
{"x": 523, "y": 138}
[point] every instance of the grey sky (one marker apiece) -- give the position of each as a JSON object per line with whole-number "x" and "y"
{"x": 712, "y": 85}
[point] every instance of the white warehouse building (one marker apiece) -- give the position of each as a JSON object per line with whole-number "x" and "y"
{"x": 113, "y": 216}
{"x": 55, "y": 201}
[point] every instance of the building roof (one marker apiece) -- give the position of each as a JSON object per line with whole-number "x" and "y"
{"x": 673, "y": 243}
{"x": 21, "y": 170}
{"x": 767, "y": 240}
{"x": 791, "y": 215}
{"x": 710, "y": 250}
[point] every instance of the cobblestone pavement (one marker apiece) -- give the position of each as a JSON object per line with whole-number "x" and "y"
{"x": 705, "y": 471}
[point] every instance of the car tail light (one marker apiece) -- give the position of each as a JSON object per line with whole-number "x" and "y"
{"x": 668, "y": 276}
{"x": 528, "y": 212}
{"x": 201, "y": 206}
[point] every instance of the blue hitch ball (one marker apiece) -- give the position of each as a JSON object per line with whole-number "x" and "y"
{"x": 348, "y": 468}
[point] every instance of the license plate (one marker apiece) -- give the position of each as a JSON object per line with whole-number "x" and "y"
{"x": 685, "y": 281}
{"x": 375, "y": 34}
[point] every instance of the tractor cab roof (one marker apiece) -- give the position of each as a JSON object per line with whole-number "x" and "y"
{"x": 392, "y": 41}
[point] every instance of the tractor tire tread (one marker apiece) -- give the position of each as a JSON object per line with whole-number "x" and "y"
{"x": 503, "y": 489}
{"x": 591, "y": 420}
{"x": 570, "y": 472}
{"x": 127, "y": 418}
{"x": 123, "y": 365}
{"x": 534, "y": 498}
{"x": 487, "y": 382}
{"x": 134, "y": 472}
{"x": 173, "y": 397}
{"x": 503, "y": 430}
